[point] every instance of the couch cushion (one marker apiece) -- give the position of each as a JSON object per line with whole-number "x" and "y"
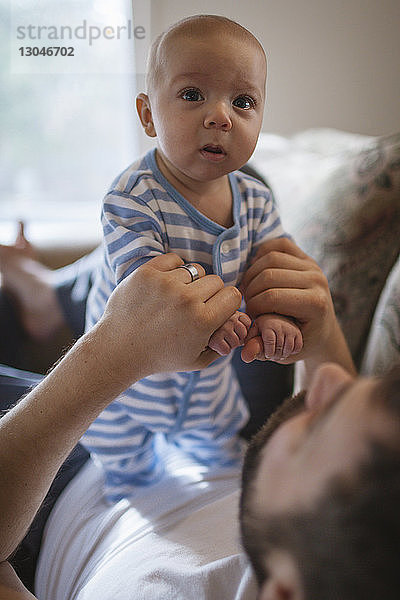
{"x": 339, "y": 196}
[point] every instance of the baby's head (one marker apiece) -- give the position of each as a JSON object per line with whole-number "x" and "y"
{"x": 205, "y": 96}
{"x": 203, "y": 28}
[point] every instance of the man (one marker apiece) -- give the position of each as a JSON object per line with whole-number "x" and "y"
{"x": 170, "y": 330}
{"x": 321, "y": 491}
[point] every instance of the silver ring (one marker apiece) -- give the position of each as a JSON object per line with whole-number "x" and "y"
{"x": 194, "y": 274}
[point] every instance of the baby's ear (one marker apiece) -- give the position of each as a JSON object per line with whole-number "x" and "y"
{"x": 144, "y": 111}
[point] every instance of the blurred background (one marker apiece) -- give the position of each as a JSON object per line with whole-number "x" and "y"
{"x": 67, "y": 128}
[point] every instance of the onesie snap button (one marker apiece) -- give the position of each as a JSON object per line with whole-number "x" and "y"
{"x": 225, "y": 247}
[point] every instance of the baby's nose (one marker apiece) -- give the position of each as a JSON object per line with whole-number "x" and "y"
{"x": 218, "y": 116}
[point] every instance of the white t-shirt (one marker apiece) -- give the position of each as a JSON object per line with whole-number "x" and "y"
{"x": 176, "y": 540}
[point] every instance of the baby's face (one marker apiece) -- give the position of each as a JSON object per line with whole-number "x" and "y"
{"x": 207, "y": 105}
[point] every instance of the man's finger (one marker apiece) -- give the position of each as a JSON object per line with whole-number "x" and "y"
{"x": 299, "y": 304}
{"x": 206, "y": 358}
{"x": 281, "y": 245}
{"x": 207, "y": 286}
{"x": 275, "y": 278}
{"x": 165, "y": 262}
{"x": 253, "y": 349}
{"x": 274, "y": 260}
{"x": 189, "y": 272}
{"x": 172, "y": 262}
{"x": 223, "y": 304}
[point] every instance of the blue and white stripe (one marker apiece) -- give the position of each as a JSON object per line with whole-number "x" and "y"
{"x": 143, "y": 216}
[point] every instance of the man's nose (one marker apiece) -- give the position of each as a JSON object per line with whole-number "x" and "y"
{"x": 328, "y": 379}
{"x": 218, "y": 116}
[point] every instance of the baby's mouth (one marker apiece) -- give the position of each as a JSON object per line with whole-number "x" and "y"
{"x": 213, "y": 149}
{"x": 213, "y": 152}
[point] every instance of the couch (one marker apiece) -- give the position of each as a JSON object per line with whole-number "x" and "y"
{"x": 339, "y": 197}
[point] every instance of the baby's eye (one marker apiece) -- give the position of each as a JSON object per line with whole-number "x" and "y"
{"x": 244, "y": 102}
{"x": 192, "y": 95}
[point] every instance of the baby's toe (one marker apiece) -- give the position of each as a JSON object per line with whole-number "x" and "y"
{"x": 298, "y": 343}
{"x": 271, "y": 346}
{"x": 220, "y": 346}
{"x": 232, "y": 339}
{"x": 245, "y": 319}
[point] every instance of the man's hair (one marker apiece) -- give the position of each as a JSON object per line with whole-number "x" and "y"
{"x": 194, "y": 26}
{"x": 347, "y": 545}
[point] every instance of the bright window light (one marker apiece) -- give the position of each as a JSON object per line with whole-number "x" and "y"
{"x": 68, "y": 123}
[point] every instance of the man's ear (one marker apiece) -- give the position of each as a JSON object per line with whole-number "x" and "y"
{"x": 283, "y": 581}
{"x": 144, "y": 111}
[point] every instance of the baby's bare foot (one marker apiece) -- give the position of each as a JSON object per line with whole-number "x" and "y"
{"x": 281, "y": 336}
{"x": 272, "y": 337}
{"x": 30, "y": 285}
{"x": 230, "y": 335}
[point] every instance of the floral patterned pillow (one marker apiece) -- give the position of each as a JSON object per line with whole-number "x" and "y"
{"x": 339, "y": 196}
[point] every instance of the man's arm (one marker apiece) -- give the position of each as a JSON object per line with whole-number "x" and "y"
{"x": 283, "y": 279}
{"x": 153, "y": 322}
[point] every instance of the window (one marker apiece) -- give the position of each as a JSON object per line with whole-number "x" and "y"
{"x": 68, "y": 124}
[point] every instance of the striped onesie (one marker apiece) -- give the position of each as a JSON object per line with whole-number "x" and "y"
{"x": 201, "y": 411}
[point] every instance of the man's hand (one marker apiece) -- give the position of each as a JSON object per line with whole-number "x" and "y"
{"x": 156, "y": 320}
{"x": 284, "y": 280}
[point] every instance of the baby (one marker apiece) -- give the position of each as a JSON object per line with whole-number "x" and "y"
{"x": 204, "y": 103}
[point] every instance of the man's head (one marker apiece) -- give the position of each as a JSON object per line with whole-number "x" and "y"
{"x": 205, "y": 98}
{"x": 321, "y": 492}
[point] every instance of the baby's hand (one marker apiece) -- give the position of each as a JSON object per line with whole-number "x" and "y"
{"x": 231, "y": 334}
{"x": 275, "y": 338}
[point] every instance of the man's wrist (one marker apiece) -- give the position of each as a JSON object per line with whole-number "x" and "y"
{"x": 101, "y": 354}
{"x": 333, "y": 348}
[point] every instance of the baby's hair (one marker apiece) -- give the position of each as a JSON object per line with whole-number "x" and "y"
{"x": 194, "y": 26}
